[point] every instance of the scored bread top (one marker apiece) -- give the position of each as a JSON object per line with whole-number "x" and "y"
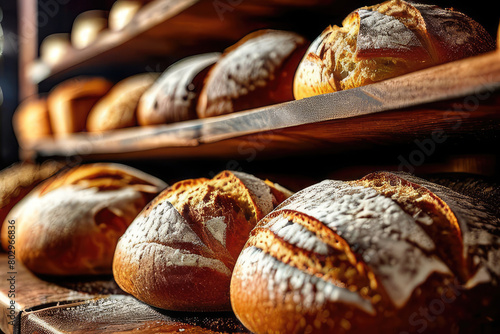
{"x": 378, "y": 232}
{"x": 255, "y": 72}
{"x": 189, "y": 237}
{"x": 387, "y": 40}
{"x": 69, "y": 225}
{"x": 373, "y": 242}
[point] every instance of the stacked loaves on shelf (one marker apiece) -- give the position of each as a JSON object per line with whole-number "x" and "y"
{"x": 266, "y": 67}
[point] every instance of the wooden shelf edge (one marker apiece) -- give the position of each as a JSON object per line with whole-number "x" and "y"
{"x": 473, "y": 79}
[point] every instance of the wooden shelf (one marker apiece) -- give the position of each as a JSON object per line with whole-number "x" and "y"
{"x": 91, "y": 305}
{"x": 174, "y": 28}
{"x": 456, "y": 99}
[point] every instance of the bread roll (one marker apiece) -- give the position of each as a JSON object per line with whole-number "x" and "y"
{"x": 122, "y": 12}
{"x": 54, "y": 48}
{"x": 71, "y": 101}
{"x": 255, "y": 72}
{"x": 390, "y": 253}
{"x": 70, "y": 224}
{"x": 173, "y": 97}
{"x": 31, "y": 121}
{"x": 178, "y": 254}
{"x": 19, "y": 179}
{"x": 117, "y": 109}
{"x": 87, "y": 26}
{"x": 386, "y": 40}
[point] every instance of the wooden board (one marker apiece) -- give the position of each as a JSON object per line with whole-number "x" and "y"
{"x": 91, "y": 305}
{"x": 459, "y": 98}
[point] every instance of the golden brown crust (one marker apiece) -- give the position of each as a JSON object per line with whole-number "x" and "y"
{"x": 117, "y": 109}
{"x": 255, "y": 72}
{"x": 174, "y": 95}
{"x": 71, "y": 101}
{"x": 369, "y": 256}
{"x": 387, "y": 40}
{"x": 31, "y": 121}
{"x": 70, "y": 224}
{"x": 180, "y": 251}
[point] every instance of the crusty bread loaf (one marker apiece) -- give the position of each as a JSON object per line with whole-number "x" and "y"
{"x": 389, "y": 253}
{"x": 71, "y": 101}
{"x": 173, "y": 97}
{"x": 18, "y": 180}
{"x": 179, "y": 252}
{"x": 117, "y": 109}
{"x": 255, "y": 72}
{"x": 87, "y": 27}
{"x": 31, "y": 121}
{"x": 386, "y": 40}
{"x": 70, "y": 224}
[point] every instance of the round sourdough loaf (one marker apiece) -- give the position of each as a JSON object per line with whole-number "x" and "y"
{"x": 70, "y": 224}
{"x": 179, "y": 253}
{"x": 390, "y": 253}
{"x": 387, "y": 40}
{"x": 255, "y": 72}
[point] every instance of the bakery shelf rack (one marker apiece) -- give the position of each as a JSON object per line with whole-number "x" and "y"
{"x": 455, "y": 103}
{"x": 458, "y": 98}
{"x": 173, "y": 28}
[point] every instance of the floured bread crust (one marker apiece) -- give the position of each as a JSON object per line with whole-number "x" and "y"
{"x": 255, "y": 72}
{"x": 70, "y": 224}
{"x": 173, "y": 97}
{"x": 384, "y": 41}
{"x": 179, "y": 253}
{"x": 363, "y": 256}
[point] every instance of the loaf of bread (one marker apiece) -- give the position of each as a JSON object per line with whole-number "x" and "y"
{"x": 118, "y": 108}
{"x": 122, "y": 12}
{"x": 390, "y": 253}
{"x": 71, "y": 101}
{"x": 255, "y": 72}
{"x": 179, "y": 253}
{"x": 70, "y": 224}
{"x": 173, "y": 97}
{"x": 87, "y": 27}
{"x": 31, "y": 121}
{"x": 18, "y": 180}
{"x": 387, "y": 40}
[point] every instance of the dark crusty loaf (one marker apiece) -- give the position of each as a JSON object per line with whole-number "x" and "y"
{"x": 386, "y": 40}
{"x": 173, "y": 97}
{"x": 179, "y": 253}
{"x": 255, "y": 72}
{"x": 70, "y": 224}
{"x": 388, "y": 253}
